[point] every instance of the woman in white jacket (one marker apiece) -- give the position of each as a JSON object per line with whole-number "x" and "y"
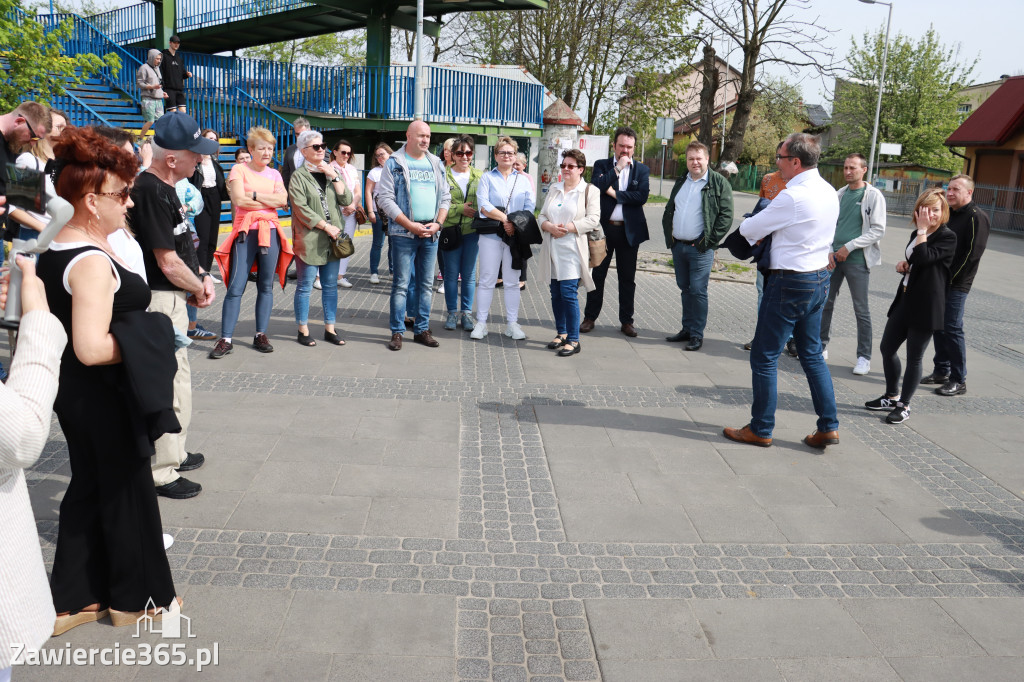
{"x": 571, "y": 210}
{"x": 26, "y": 402}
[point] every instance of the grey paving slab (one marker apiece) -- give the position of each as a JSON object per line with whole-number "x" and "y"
{"x": 388, "y": 481}
{"x": 931, "y": 524}
{"x": 390, "y": 516}
{"x": 329, "y": 450}
{"x": 993, "y": 623}
{"x": 588, "y": 521}
{"x": 784, "y": 491}
{"x": 690, "y": 491}
{"x": 719, "y": 523}
{"x": 951, "y": 669}
{"x": 836, "y": 670}
{"x": 626, "y": 630}
{"x": 346, "y": 667}
{"x": 874, "y": 490}
{"x": 605, "y": 488}
{"x": 690, "y": 670}
{"x": 912, "y": 627}
{"x": 841, "y": 524}
{"x": 298, "y": 512}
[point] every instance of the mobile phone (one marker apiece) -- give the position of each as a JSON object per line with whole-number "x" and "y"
{"x": 25, "y": 188}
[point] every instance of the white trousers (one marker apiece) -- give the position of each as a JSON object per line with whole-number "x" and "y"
{"x": 350, "y": 230}
{"x": 495, "y": 254}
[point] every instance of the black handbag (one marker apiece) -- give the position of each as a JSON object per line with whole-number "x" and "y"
{"x": 450, "y": 237}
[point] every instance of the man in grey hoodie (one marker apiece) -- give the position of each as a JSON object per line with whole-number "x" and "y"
{"x": 151, "y": 91}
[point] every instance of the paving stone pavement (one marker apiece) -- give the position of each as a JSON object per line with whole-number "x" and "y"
{"x": 489, "y": 511}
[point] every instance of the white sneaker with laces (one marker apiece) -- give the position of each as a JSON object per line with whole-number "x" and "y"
{"x": 375, "y": 278}
{"x": 342, "y": 282}
{"x": 316, "y": 283}
{"x": 440, "y": 289}
{"x": 824, "y": 353}
{"x": 863, "y": 366}
{"x": 479, "y": 331}
{"x": 214, "y": 279}
{"x": 514, "y": 331}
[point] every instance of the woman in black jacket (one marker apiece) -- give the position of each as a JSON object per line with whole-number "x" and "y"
{"x": 920, "y": 303}
{"x": 209, "y": 178}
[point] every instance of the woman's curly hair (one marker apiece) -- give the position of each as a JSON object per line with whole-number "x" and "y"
{"x": 84, "y": 157}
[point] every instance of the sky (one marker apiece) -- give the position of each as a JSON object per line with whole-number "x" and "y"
{"x": 987, "y": 29}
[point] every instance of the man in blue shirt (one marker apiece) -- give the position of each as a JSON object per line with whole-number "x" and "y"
{"x": 413, "y": 193}
{"x": 696, "y": 219}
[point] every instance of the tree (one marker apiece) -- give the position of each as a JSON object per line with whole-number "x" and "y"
{"x": 582, "y": 50}
{"x": 347, "y": 48}
{"x": 772, "y": 32}
{"x": 919, "y": 99}
{"x": 36, "y": 66}
{"x": 648, "y": 96}
{"x": 777, "y": 112}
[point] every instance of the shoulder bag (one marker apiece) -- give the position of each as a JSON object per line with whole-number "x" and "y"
{"x": 451, "y": 235}
{"x": 342, "y": 245}
{"x": 596, "y": 241}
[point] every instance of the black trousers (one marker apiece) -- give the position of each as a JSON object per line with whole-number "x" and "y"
{"x": 110, "y": 547}
{"x": 208, "y": 226}
{"x": 625, "y": 265}
{"x": 896, "y": 333}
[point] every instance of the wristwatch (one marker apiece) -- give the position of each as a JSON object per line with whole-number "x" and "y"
{"x": 254, "y": 196}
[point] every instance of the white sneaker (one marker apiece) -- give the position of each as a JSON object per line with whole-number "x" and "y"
{"x": 316, "y": 283}
{"x": 824, "y": 353}
{"x": 213, "y": 278}
{"x": 342, "y": 282}
{"x": 440, "y": 289}
{"x": 374, "y": 278}
{"x": 479, "y": 330}
{"x": 863, "y": 366}
{"x": 514, "y": 332}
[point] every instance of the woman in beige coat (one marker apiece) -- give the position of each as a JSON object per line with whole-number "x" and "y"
{"x": 571, "y": 210}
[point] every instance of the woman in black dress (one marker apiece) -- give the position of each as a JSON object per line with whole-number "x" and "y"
{"x": 209, "y": 179}
{"x": 110, "y": 552}
{"x": 920, "y": 303}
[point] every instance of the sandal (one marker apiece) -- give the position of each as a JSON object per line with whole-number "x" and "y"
{"x": 305, "y": 340}
{"x": 569, "y": 349}
{"x": 76, "y": 618}
{"x": 557, "y": 343}
{"x": 124, "y": 618}
{"x": 331, "y": 337}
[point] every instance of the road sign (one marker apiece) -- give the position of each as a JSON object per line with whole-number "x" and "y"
{"x": 890, "y": 149}
{"x": 663, "y": 128}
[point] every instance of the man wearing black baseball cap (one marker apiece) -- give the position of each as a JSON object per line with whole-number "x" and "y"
{"x": 172, "y": 68}
{"x": 174, "y": 274}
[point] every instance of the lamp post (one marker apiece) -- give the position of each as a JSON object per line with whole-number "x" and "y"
{"x": 881, "y": 86}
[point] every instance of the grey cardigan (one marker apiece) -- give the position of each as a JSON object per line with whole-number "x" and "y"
{"x": 313, "y": 246}
{"x": 872, "y": 213}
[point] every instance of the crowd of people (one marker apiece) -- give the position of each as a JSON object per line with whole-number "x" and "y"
{"x": 114, "y": 301}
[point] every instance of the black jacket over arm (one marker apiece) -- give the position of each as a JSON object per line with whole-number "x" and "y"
{"x": 929, "y": 276}
{"x": 218, "y": 172}
{"x": 632, "y": 199}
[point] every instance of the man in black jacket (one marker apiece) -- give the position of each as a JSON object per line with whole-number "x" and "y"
{"x": 970, "y": 225}
{"x": 624, "y": 185}
{"x": 293, "y": 155}
{"x": 172, "y": 69}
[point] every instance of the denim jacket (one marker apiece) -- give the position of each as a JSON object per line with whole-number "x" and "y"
{"x": 394, "y": 195}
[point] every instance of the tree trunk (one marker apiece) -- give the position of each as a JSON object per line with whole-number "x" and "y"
{"x": 733, "y": 144}
{"x": 707, "y": 97}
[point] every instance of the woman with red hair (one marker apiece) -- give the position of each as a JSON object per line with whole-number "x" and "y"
{"x": 110, "y": 552}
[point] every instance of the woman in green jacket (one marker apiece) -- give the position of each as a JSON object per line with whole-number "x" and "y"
{"x": 461, "y": 261}
{"x": 316, "y": 190}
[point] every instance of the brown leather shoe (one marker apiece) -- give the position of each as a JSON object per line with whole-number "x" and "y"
{"x": 628, "y": 330}
{"x": 745, "y": 435}
{"x": 396, "y": 342}
{"x": 586, "y": 326}
{"x": 820, "y": 440}
{"x": 426, "y": 339}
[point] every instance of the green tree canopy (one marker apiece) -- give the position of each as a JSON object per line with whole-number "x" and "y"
{"x": 36, "y": 67}
{"x": 777, "y": 112}
{"x": 331, "y": 49}
{"x": 923, "y": 79}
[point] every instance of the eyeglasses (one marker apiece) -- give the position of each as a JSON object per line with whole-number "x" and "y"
{"x": 783, "y": 156}
{"x": 34, "y": 138}
{"x": 121, "y": 195}
{"x": 504, "y": 153}
{"x": 380, "y": 154}
{"x": 462, "y": 153}
{"x": 566, "y": 166}
{"x": 343, "y": 153}
{"x": 318, "y": 147}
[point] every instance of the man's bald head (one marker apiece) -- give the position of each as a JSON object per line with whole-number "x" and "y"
{"x": 417, "y": 137}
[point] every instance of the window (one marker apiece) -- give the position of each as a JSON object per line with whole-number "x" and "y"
{"x": 964, "y": 108}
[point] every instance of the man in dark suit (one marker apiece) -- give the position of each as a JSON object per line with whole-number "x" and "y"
{"x": 624, "y": 185}
{"x": 293, "y": 155}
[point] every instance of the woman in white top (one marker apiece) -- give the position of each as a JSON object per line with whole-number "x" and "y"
{"x": 381, "y": 153}
{"x": 571, "y": 210}
{"x": 502, "y": 190}
{"x": 342, "y": 156}
{"x": 35, "y": 157}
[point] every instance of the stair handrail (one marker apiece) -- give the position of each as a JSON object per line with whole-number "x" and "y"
{"x": 80, "y": 103}
{"x": 283, "y": 136}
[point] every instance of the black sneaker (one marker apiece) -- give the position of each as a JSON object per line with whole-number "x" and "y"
{"x": 262, "y": 344}
{"x": 900, "y": 414}
{"x": 222, "y": 348}
{"x": 935, "y": 378}
{"x": 882, "y": 403}
{"x": 791, "y": 348}
{"x": 180, "y": 489}
{"x": 952, "y": 388}
{"x": 193, "y": 461}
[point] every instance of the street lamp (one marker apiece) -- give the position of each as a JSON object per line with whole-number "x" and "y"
{"x": 881, "y": 85}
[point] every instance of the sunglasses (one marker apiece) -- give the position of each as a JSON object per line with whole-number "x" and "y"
{"x": 343, "y": 153}
{"x": 121, "y": 195}
{"x": 566, "y": 166}
{"x": 463, "y": 153}
{"x": 34, "y": 138}
{"x": 318, "y": 147}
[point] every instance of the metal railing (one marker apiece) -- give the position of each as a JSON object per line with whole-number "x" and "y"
{"x": 130, "y": 24}
{"x": 1004, "y": 206}
{"x": 79, "y": 113}
{"x": 196, "y": 14}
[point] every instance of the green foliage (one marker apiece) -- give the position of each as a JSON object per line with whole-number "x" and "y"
{"x": 649, "y": 94}
{"x": 922, "y": 83}
{"x": 36, "y": 67}
{"x": 332, "y": 49}
{"x": 777, "y": 112}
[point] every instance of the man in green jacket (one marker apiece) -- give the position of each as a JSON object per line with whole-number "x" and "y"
{"x": 697, "y": 218}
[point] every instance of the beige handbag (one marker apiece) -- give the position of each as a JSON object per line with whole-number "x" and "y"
{"x": 596, "y": 241}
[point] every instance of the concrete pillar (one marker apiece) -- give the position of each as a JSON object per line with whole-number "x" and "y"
{"x": 166, "y": 19}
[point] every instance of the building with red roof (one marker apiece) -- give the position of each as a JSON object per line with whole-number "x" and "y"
{"x": 993, "y": 136}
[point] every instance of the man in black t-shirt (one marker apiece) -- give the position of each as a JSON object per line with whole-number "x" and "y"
{"x": 172, "y": 69}
{"x": 174, "y": 275}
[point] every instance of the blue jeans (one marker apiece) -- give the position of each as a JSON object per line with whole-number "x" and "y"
{"x": 408, "y": 292}
{"x": 858, "y": 275}
{"x": 304, "y": 287}
{"x": 193, "y": 313}
{"x": 243, "y": 255}
{"x": 693, "y": 270}
{"x": 461, "y": 261}
{"x": 378, "y": 245}
{"x": 792, "y": 305}
{"x": 566, "y": 307}
{"x": 950, "y": 344}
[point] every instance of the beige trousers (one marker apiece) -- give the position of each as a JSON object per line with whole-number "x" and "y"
{"x": 170, "y": 448}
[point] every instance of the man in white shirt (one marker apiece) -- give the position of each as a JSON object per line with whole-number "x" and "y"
{"x": 801, "y": 222}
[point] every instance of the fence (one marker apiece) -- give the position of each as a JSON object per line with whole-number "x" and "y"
{"x": 1004, "y": 206}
